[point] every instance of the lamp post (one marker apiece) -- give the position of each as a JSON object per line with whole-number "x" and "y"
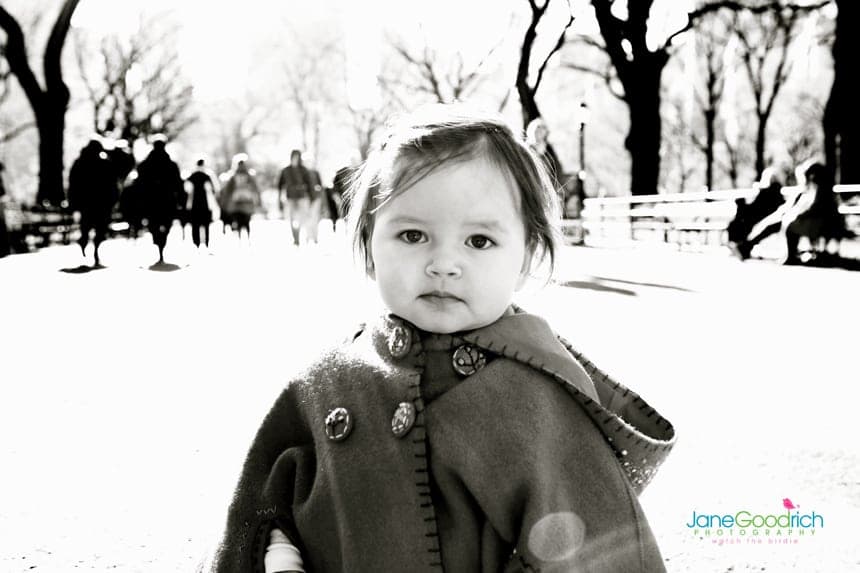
{"x": 581, "y": 175}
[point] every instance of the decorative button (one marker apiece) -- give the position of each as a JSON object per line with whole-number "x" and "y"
{"x": 468, "y": 359}
{"x": 403, "y": 419}
{"x": 400, "y": 341}
{"x": 338, "y": 424}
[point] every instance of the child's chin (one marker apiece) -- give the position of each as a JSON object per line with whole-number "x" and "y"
{"x": 445, "y": 325}
{"x": 439, "y": 324}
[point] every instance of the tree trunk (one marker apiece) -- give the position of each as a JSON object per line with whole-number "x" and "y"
{"x": 51, "y": 121}
{"x": 49, "y": 105}
{"x": 710, "y": 143}
{"x": 524, "y": 90}
{"x": 761, "y": 133}
{"x": 841, "y": 117}
{"x": 643, "y": 140}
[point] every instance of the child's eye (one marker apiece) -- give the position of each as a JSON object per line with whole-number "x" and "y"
{"x": 411, "y": 236}
{"x": 480, "y": 242}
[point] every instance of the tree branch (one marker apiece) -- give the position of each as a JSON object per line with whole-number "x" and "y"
{"x": 16, "y": 57}
{"x": 558, "y": 44}
{"x": 16, "y": 131}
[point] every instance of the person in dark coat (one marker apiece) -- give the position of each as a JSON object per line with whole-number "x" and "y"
{"x": 202, "y": 188}
{"x": 767, "y": 200}
{"x": 240, "y": 195}
{"x": 454, "y": 431}
{"x": 812, "y": 212}
{"x": 295, "y": 194}
{"x": 93, "y": 192}
{"x": 123, "y": 163}
{"x": 160, "y": 184}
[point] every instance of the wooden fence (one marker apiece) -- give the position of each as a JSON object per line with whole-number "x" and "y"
{"x": 694, "y": 221}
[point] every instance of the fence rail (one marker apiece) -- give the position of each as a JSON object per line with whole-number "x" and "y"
{"x": 697, "y": 221}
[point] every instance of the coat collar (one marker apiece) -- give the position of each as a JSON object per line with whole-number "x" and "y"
{"x": 639, "y": 435}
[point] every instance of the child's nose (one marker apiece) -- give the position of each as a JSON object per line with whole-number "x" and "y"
{"x": 443, "y": 265}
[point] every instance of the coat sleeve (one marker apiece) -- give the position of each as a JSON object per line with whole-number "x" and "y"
{"x": 278, "y": 469}
{"x": 542, "y": 474}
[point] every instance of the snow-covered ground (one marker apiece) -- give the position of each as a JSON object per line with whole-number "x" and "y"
{"x": 128, "y": 395}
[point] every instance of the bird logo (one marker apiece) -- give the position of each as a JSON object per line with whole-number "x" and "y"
{"x": 786, "y": 503}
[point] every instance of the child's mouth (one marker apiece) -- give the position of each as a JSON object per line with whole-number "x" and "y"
{"x": 440, "y": 297}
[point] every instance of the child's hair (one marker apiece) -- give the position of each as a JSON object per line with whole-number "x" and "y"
{"x": 417, "y": 144}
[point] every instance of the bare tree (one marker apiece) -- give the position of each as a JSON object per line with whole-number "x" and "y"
{"x": 528, "y": 90}
{"x": 308, "y": 82}
{"x": 712, "y": 39}
{"x": 842, "y": 117}
{"x": 140, "y": 88}
{"x": 445, "y": 81}
{"x": 765, "y": 42}
{"x": 366, "y": 123}
{"x": 239, "y": 123}
{"x": 50, "y": 103}
{"x": 676, "y": 148}
{"x": 733, "y": 162}
{"x": 638, "y": 67}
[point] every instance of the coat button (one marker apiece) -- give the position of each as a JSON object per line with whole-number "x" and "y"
{"x": 338, "y": 424}
{"x": 468, "y": 359}
{"x": 403, "y": 419}
{"x": 400, "y": 341}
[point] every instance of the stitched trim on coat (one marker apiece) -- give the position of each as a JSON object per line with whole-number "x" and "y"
{"x": 639, "y": 471}
{"x": 419, "y": 454}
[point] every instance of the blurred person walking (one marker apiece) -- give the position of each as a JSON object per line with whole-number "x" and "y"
{"x": 537, "y": 137}
{"x": 123, "y": 164}
{"x": 160, "y": 184}
{"x": 202, "y": 188}
{"x": 241, "y": 194}
{"x": 295, "y": 192}
{"x": 93, "y": 192}
{"x": 317, "y": 209}
{"x": 121, "y": 158}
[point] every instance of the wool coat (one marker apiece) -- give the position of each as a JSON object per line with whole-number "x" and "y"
{"x": 499, "y": 449}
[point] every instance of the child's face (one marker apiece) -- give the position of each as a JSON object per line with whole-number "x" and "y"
{"x": 450, "y": 251}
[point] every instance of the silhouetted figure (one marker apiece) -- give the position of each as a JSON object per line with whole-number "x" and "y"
{"x": 159, "y": 183}
{"x": 123, "y": 164}
{"x": 202, "y": 186}
{"x": 241, "y": 195}
{"x": 811, "y": 213}
{"x": 295, "y": 192}
{"x": 814, "y": 213}
{"x": 537, "y": 138}
{"x": 93, "y": 192}
{"x": 768, "y": 199}
{"x": 131, "y": 204}
{"x": 5, "y": 247}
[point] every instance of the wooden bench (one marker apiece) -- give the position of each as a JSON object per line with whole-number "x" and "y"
{"x": 31, "y": 228}
{"x": 37, "y": 228}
